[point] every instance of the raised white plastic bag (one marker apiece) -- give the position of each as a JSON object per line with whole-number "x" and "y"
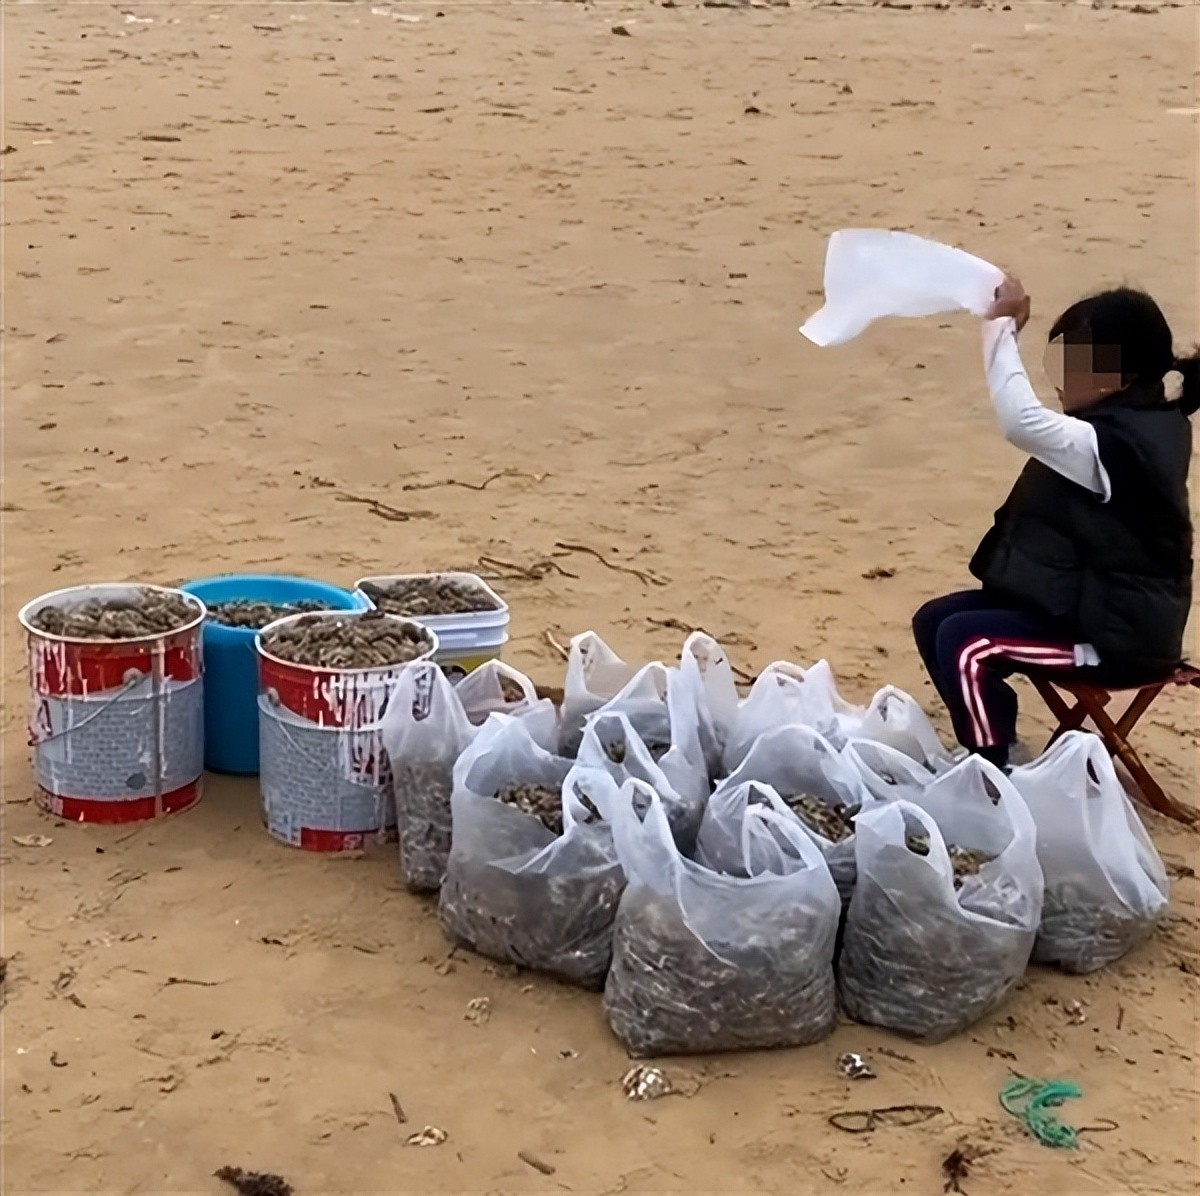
{"x": 595, "y": 675}
{"x": 789, "y": 761}
{"x": 611, "y": 743}
{"x": 919, "y": 956}
{"x": 514, "y": 890}
{"x": 871, "y": 273}
{"x": 706, "y": 961}
{"x": 783, "y": 695}
{"x": 1106, "y": 886}
{"x": 707, "y": 672}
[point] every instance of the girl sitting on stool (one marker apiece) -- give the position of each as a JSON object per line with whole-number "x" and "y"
{"x": 1088, "y": 565}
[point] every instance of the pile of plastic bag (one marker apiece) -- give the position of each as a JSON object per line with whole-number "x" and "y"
{"x": 723, "y": 863}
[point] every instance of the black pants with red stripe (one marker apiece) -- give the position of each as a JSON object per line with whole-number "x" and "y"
{"x": 970, "y": 642}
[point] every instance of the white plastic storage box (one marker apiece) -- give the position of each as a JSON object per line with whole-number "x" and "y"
{"x": 465, "y": 641}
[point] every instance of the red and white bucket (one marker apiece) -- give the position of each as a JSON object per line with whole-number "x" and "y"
{"x": 117, "y": 726}
{"x": 323, "y": 774}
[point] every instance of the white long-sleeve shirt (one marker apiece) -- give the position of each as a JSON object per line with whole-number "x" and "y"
{"x": 1065, "y": 444}
{"x": 1061, "y": 442}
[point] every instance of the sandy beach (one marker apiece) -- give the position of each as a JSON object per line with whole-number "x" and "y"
{"x": 527, "y": 282}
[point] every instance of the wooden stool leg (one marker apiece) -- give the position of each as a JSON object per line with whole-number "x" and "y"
{"x": 1070, "y": 718}
{"x": 1118, "y": 745}
{"x": 1140, "y": 704}
{"x": 1090, "y": 703}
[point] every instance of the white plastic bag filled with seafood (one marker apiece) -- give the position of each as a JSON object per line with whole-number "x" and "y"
{"x": 840, "y": 718}
{"x": 705, "y": 667}
{"x": 661, "y": 705}
{"x": 783, "y": 695}
{"x": 611, "y": 743}
{"x": 810, "y": 780}
{"x": 428, "y": 723}
{"x": 595, "y": 675}
{"x": 895, "y": 718}
{"x": 706, "y": 960}
{"x": 946, "y": 905}
{"x": 424, "y": 731}
{"x": 495, "y": 688}
{"x": 888, "y": 773}
{"x": 1106, "y": 887}
{"x": 721, "y": 847}
{"x": 532, "y": 878}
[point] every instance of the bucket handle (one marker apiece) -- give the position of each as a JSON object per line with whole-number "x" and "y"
{"x": 133, "y": 679}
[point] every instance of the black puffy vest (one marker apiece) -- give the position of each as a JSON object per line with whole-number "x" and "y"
{"x": 1117, "y": 575}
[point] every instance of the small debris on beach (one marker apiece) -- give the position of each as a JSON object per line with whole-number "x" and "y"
{"x": 646, "y": 1083}
{"x": 855, "y": 1067}
{"x": 255, "y": 1183}
{"x": 479, "y": 1011}
{"x": 1075, "y": 1012}
{"x": 537, "y": 1164}
{"x": 431, "y": 1135}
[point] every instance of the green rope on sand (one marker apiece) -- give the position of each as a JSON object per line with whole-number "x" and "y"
{"x": 1030, "y": 1102}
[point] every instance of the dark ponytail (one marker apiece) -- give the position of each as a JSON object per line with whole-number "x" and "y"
{"x": 1189, "y": 397}
{"x": 1131, "y": 322}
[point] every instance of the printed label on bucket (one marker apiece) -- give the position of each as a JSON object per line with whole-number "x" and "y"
{"x": 120, "y": 747}
{"x": 323, "y": 788}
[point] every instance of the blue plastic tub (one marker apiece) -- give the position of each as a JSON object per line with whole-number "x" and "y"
{"x": 231, "y": 664}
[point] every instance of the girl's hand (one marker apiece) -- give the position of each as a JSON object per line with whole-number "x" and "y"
{"x": 1012, "y": 301}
